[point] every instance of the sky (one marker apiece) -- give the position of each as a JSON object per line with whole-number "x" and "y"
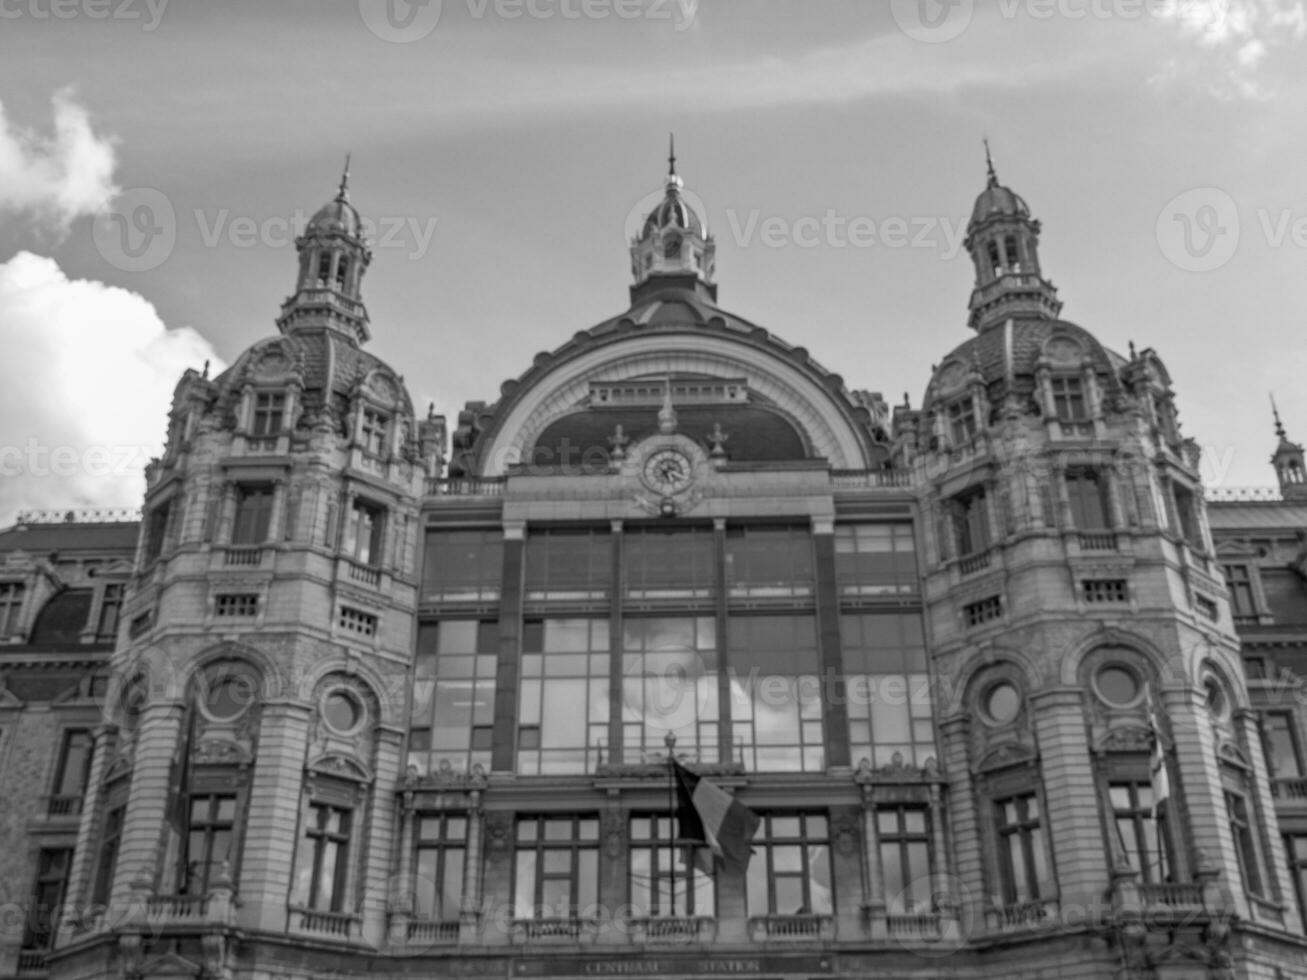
{"x": 157, "y": 157}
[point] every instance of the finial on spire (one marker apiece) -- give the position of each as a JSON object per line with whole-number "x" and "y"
{"x": 671, "y": 154}
{"x": 343, "y": 193}
{"x": 989, "y": 165}
{"x": 1279, "y": 425}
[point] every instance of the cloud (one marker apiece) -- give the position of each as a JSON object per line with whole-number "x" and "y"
{"x": 1236, "y": 36}
{"x": 85, "y": 387}
{"x": 58, "y": 178}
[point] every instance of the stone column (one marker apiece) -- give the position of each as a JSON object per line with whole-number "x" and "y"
{"x": 873, "y": 876}
{"x": 830, "y": 655}
{"x": 378, "y": 881}
{"x": 968, "y": 865}
{"x": 145, "y": 835}
{"x": 506, "y": 671}
{"x": 401, "y": 898}
{"x": 470, "y": 915}
{"x": 273, "y": 827}
{"x": 77, "y": 900}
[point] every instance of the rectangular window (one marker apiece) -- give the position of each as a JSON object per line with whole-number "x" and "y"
{"x": 1295, "y": 846}
{"x": 462, "y": 566}
{"x": 364, "y": 527}
{"x": 1281, "y": 739}
{"x": 776, "y": 718}
{"x": 1022, "y": 866}
{"x": 1241, "y": 830}
{"x": 569, "y": 564}
{"x": 663, "y": 876}
{"x": 769, "y": 561}
{"x": 669, "y": 684}
{"x": 140, "y": 624}
{"x": 238, "y": 605}
{"x": 1143, "y": 839}
{"x": 985, "y": 611}
{"x": 970, "y": 514}
{"x": 253, "y": 515}
{"x": 556, "y": 868}
{"x": 1186, "y": 516}
{"x": 562, "y": 723}
{"x": 453, "y": 713}
{"x": 962, "y": 420}
{"x": 156, "y": 529}
{"x": 1069, "y": 400}
{"x": 790, "y": 872}
{"x": 48, "y": 893}
{"x": 887, "y": 688}
{"x": 106, "y": 859}
{"x": 1105, "y": 590}
{"x": 11, "y": 607}
{"x": 904, "y": 834}
{"x": 372, "y": 433}
{"x": 322, "y": 873}
{"x": 210, "y": 834}
{"x": 111, "y": 607}
{"x": 441, "y": 839}
{"x": 71, "y": 773}
{"x": 357, "y": 622}
{"x": 269, "y": 409}
{"x": 669, "y": 563}
{"x": 1087, "y": 491}
{"x": 875, "y": 559}
{"x": 1239, "y": 581}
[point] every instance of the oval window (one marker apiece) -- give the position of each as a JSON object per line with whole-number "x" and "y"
{"x": 1002, "y": 703}
{"x": 341, "y": 711}
{"x": 229, "y": 696}
{"x": 1118, "y": 686}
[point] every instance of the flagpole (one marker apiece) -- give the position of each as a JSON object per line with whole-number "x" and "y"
{"x": 670, "y": 741}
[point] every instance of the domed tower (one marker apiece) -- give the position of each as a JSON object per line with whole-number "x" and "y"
{"x": 1289, "y": 463}
{"x": 1003, "y": 240}
{"x": 1100, "y": 751}
{"x": 674, "y": 248}
{"x": 258, "y": 705}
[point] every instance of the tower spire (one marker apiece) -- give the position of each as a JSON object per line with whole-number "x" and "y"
{"x": 671, "y": 154}
{"x": 1279, "y": 425}
{"x": 989, "y": 165}
{"x": 343, "y": 193}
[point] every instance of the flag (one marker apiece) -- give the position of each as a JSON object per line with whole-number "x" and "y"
{"x": 706, "y": 812}
{"x": 1157, "y": 771}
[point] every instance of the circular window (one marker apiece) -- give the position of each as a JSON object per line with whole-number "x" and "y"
{"x": 1002, "y": 703}
{"x": 229, "y": 696}
{"x": 341, "y": 711}
{"x": 1117, "y": 686}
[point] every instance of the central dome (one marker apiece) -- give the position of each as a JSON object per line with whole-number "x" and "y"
{"x": 673, "y": 212}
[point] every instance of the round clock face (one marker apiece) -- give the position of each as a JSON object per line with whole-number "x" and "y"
{"x": 667, "y": 471}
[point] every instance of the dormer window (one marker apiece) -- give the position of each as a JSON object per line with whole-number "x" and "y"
{"x": 962, "y": 420}
{"x": 11, "y": 607}
{"x": 269, "y": 411}
{"x": 372, "y": 433}
{"x": 111, "y": 605}
{"x": 1069, "y": 400}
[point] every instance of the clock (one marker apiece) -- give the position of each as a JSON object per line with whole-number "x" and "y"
{"x": 667, "y": 471}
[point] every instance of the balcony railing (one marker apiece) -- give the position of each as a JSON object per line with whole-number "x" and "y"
{"x": 1181, "y": 895}
{"x": 31, "y": 962}
{"x": 1289, "y": 789}
{"x": 975, "y": 563}
{"x": 1022, "y": 915}
{"x": 560, "y": 930}
{"x": 433, "y": 933}
{"x": 243, "y": 556}
{"x": 920, "y": 925}
{"x": 1098, "y": 541}
{"x": 673, "y": 929}
{"x": 365, "y": 574}
{"x": 792, "y": 928}
{"x": 466, "y": 487}
{"x": 337, "y": 924}
{"x": 177, "y": 908}
{"x": 871, "y": 478}
{"x": 63, "y": 806}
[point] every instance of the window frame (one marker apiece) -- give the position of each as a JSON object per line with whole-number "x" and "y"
{"x": 540, "y": 844}
{"x": 444, "y": 845}
{"x": 1030, "y": 832}
{"x": 251, "y": 523}
{"x": 12, "y": 597}
{"x": 765, "y": 843}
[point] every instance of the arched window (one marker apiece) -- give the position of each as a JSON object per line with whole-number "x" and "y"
{"x": 342, "y": 272}
{"x": 995, "y": 262}
{"x": 324, "y": 269}
{"x": 1013, "y": 257}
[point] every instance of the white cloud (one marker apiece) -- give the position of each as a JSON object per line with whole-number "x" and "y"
{"x": 1236, "y": 36}
{"x": 85, "y": 387}
{"x": 56, "y": 178}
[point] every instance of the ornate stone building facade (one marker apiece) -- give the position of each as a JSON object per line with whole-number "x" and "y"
{"x": 1011, "y": 696}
